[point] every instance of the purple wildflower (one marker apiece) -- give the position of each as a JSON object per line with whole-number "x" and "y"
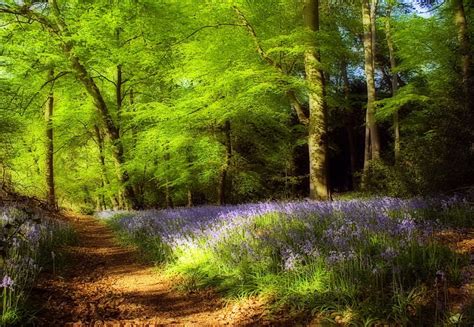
{"x": 7, "y": 282}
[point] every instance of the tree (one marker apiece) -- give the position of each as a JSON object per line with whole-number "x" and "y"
{"x": 393, "y": 68}
{"x": 464, "y": 52}
{"x": 372, "y": 139}
{"x": 48, "y": 116}
{"x": 317, "y": 122}
{"x": 58, "y": 28}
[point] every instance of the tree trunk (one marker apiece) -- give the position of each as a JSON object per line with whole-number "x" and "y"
{"x": 134, "y": 128}
{"x": 317, "y": 120}
{"x": 372, "y": 135}
{"x": 393, "y": 66}
{"x": 168, "y": 189}
{"x": 190, "y": 186}
{"x": 118, "y": 94}
{"x": 91, "y": 87}
{"x": 223, "y": 177}
{"x": 190, "y": 198}
{"x": 168, "y": 198}
{"x": 48, "y": 116}
{"x": 350, "y": 128}
{"x": 317, "y": 124}
{"x": 103, "y": 168}
{"x": 465, "y": 52}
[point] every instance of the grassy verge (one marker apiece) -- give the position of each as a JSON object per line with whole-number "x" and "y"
{"x": 353, "y": 264}
{"x": 30, "y": 243}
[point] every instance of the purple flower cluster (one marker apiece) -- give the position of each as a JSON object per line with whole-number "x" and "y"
{"x": 23, "y": 237}
{"x": 290, "y": 232}
{"x": 7, "y": 282}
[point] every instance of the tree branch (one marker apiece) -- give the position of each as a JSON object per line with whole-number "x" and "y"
{"x": 25, "y": 11}
{"x": 253, "y": 34}
{"x": 296, "y": 104}
{"x": 202, "y": 28}
{"x": 104, "y": 77}
{"x": 42, "y": 86}
{"x": 58, "y": 76}
{"x": 302, "y": 117}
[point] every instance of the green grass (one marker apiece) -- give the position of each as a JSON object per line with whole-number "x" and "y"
{"x": 47, "y": 256}
{"x": 363, "y": 290}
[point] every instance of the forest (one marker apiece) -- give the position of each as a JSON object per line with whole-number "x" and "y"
{"x": 283, "y": 162}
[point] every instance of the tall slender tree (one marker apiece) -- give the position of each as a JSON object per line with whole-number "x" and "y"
{"x": 317, "y": 122}
{"x": 465, "y": 52}
{"x": 48, "y": 116}
{"x": 372, "y": 134}
{"x": 394, "y": 77}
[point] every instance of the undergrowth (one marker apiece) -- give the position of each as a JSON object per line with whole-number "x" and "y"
{"x": 349, "y": 262}
{"x": 29, "y": 244}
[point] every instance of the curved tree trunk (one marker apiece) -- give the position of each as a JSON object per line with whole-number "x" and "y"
{"x": 91, "y": 87}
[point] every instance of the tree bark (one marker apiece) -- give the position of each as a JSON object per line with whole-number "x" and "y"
{"x": 224, "y": 183}
{"x": 190, "y": 198}
{"x": 372, "y": 135}
{"x": 464, "y": 51}
{"x": 317, "y": 126}
{"x": 393, "y": 67}
{"x": 118, "y": 94}
{"x": 48, "y": 116}
{"x": 350, "y": 128}
{"x": 168, "y": 198}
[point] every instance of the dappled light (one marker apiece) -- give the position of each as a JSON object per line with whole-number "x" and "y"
{"x": 241, "y": 163}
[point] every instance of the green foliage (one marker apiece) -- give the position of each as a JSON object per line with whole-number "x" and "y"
{"x": 187, "y": 69}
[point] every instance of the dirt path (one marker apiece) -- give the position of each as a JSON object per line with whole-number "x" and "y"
{"x": 104, "y": 285}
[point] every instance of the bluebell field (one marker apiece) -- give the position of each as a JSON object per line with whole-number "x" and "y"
{"x": 365, "y": 260}
{"x": 28, "y": 242}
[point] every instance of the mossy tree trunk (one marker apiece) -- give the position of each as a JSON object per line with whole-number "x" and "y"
{"x": 317, "y": 122}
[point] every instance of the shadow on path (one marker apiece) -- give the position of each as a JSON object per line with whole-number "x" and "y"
{"x": 104, "y": 282}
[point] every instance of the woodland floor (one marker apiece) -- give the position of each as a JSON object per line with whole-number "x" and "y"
{"x": 105, "y": 285}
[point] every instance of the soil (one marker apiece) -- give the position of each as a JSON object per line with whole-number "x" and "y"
{"x": 461, "y": 240}
{"x": 105, "y": 284}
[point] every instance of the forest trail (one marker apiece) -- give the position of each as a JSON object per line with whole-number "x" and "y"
{"x": 105, "y": 285}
